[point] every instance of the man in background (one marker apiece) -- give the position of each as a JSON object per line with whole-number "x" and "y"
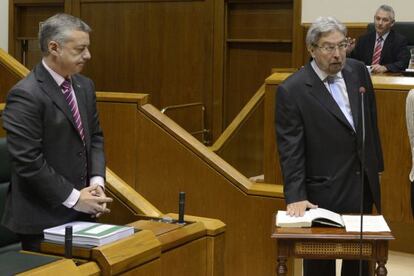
{"x": 319, "y": 135}
{"x": 54, "y": 138}
{"x": 384, "y": 50}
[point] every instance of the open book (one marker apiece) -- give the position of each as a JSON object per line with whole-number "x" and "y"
{"x": 318, "y": 215}
{"x": 89, "y": 233}
{"x": 322, "y": 216}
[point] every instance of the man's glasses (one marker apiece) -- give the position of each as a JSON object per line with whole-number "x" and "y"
{"x": 329, "y": 49}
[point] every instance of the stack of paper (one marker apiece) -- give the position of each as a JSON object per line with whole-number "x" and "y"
{"x": 89, "y": 233}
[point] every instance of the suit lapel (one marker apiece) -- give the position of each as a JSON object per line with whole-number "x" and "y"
{"x": 50, "y": 87}
{"x": 371, "y": 45}
{"x": 352, "y": 89}
{"x": 386, "y": 47}
{"x": 318, "y": 90}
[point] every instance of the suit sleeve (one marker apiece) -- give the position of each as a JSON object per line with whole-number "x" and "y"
{"x": 402, "y": 56}
{"x": 291, "y": 147}
{"x": 23, "y": 121}
{"x": 96, "y": 155}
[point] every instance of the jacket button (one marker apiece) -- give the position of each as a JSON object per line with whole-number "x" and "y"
{"x": 357, "y": 172}
{"x": 80, "y": 154}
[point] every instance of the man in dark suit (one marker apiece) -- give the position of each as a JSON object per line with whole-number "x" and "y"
{"x": 54, "y": 138}
{"x": 384, "y": 50}
{"x": 319, "y": 135}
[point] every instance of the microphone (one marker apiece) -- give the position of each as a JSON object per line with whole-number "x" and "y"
{"x": 362, "y": 174}
{"x": 68, "y": 242}
{"x": 181, "y": 207}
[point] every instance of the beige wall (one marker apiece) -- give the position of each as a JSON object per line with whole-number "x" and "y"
{"x": 4, "y": 23}
{"x": 354, "y": 10}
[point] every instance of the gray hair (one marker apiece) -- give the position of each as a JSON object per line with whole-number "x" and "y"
{"x": 322, "y": 26}
{"x": 388, "y": 9}
{"x": 56, "y": 28}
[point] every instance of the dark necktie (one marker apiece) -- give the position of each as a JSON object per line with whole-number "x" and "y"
{"x": 70, "y": 98}
{"x": 377, "y": 51}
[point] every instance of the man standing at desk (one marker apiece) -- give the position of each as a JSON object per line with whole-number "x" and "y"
{"x": 54, "y": 138}
{"x": 384, "y": 50}
{"x": 318, "y": 128}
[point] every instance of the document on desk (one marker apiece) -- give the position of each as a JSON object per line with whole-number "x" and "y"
{"x": 370, "y": 223}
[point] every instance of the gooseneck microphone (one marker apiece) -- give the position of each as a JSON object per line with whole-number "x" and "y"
{"x": 362, "y": 174}
{"x": 68, "y": 242}
{"x": 181, "y": 207}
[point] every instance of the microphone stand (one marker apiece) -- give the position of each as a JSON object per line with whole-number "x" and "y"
{"x": 362, "y": 173}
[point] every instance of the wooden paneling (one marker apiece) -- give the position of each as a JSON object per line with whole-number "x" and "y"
{"x": 214, "y": 52}
{"x": 161, "y": 48}
{"x": 391, "y": 93}
{"x": 117, "y": 113}
{"x": 166, "y": 163}
{"x": 271, "y": 21}
{"x": 241, "y": 145}
{"x": 195, "y": 264}
{"x": 25, "y": 17}
{"x": 259, "y": 37}
{"x": 6, "y": 82}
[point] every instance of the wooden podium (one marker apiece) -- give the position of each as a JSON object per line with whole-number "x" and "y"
{"x": 158, "y": 248}
{"x": 330, "y": 243}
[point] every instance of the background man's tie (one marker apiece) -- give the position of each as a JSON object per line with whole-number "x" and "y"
{"x": 340, "y": 99}
{"x": 70, "y": 98}
{"x": 377, "y": 51}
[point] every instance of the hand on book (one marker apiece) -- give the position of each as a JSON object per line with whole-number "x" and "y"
{"x": 92, "y": 200}
{"x": 297, "y": 209}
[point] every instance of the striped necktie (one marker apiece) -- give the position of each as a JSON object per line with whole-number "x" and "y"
{"x": 377, "y": 51}
{"x": 70, "y": 99}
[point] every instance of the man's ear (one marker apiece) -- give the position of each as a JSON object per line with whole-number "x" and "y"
{"x": 311, "y": 51}
{"x": 53, "y": 48}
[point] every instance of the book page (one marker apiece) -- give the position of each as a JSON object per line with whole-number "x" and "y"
{"x": 370, "y": 223}
{"x": 324, "y": 214}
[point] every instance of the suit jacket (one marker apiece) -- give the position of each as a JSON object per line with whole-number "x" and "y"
{"x": 48, "y": 156}
{"x": 319, "y": 151}
{"x": 394, "y": 55}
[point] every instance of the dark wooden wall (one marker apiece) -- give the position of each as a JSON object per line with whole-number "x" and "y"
{"x": 212, "y": 52}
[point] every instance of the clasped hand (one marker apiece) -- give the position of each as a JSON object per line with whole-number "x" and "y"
{"x": 92, "y": 200}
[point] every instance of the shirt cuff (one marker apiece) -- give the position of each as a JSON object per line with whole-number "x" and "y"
{"x": 97, "y": 180}
{"x": 72, "y": 199}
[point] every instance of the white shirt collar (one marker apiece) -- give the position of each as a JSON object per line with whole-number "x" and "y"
{"x": 58, "y": 78}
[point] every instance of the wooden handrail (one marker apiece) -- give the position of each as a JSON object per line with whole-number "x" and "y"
{"x": 204, "y": 153}
{"x": 13, "y": 65}
{"x": 236, "y": 124}
{"x": 129, "y": 196}
{"x": 138, "y": 98}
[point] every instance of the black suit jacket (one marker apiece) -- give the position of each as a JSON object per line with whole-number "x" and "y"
{"x": 394, "y": 55}
{"x": 319, "y": 150}
{"x": 47, "y": 152}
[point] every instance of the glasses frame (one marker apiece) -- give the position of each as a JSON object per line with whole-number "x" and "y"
{"x": 331, "y": 49}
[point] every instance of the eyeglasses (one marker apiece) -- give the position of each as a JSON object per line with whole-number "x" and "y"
{"x": 329, "y": 49}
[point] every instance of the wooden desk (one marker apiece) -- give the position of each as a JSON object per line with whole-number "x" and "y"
{"x": 329, "y": 243}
